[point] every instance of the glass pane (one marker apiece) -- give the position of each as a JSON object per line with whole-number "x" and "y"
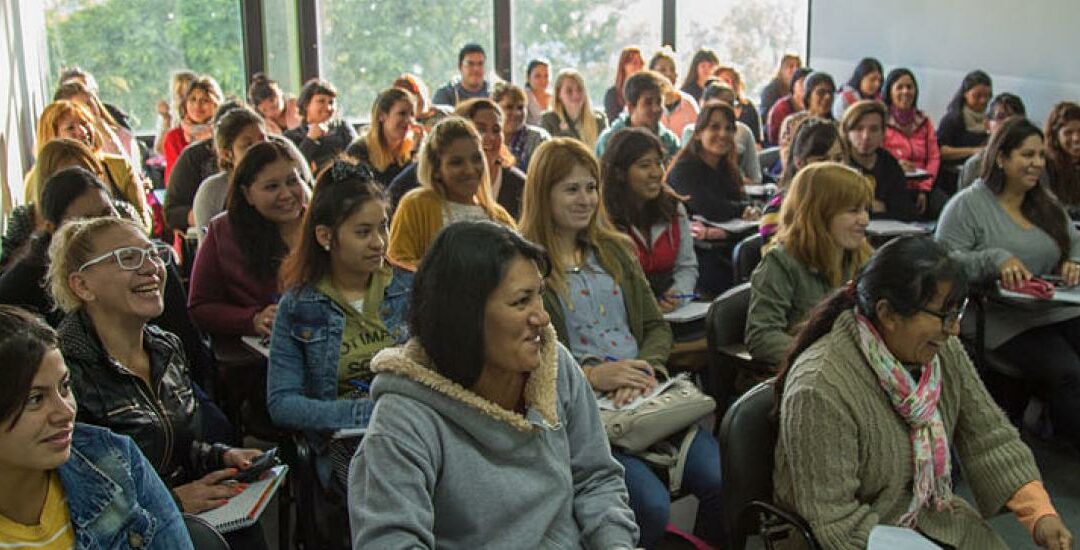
{"x": 282, "y": 38}
{"x": 365, "y": 44}
{"x": 750, "y": 35}
{"x": 132, "y": 46}
{"x": 584, "y": 34}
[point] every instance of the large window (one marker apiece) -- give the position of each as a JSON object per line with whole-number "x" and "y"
{"x": 132, "y": 46}
{"x": 584, "y": 34}
{"x": 281, "y": 36}
{"x": 751, "y": 35}
{"x": 365, "y": 44}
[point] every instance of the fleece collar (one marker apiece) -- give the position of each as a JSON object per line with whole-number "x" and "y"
{"x": 411, "y": 362}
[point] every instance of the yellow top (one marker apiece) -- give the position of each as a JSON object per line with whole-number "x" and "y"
{"x": 418, "y": 218}
{"x": 53, "y": 531}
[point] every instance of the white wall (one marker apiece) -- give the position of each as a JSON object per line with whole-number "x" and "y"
{"x": 1028, "y": 48}
{"x": 22, "y": 92}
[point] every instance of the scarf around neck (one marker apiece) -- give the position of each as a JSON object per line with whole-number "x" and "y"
{"x": 903, "y": 117}
{"x": 974, "y": 122}
{"x": 917, "y": 405}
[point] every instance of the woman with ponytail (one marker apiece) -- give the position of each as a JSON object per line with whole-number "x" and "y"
{"x": 875, "y": 391}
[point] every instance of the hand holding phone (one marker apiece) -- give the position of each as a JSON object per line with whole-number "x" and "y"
{"x": 260, "y": 465}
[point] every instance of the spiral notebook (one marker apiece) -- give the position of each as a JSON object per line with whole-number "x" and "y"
{"x": 244, "y": 510}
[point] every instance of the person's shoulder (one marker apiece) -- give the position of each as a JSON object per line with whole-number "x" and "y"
{"x": 537, "y": 131}
{"x": 418, "y": 198}
{"x": 513, "y": 174}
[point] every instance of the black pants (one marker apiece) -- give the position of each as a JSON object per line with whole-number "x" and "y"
{"x": 1050, "y": 358}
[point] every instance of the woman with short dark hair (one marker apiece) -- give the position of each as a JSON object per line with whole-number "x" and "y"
{"x": 876, "y": 392}
{"x": 321, "y": 135}
{"x": 485, "y": 431}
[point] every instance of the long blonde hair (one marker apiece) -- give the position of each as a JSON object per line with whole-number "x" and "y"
{"x": 446, "y": 132}
{"x": 379, "y": 153}
{"x": 587, "y": 128}
{"x": 552, "y": 161}
{"x": 819, "y": 192}
{"x": 48, "y": 127}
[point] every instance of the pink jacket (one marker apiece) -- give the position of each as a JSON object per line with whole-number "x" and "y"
{"x": 686, "y": 113}
{"x": 920, "y": 148}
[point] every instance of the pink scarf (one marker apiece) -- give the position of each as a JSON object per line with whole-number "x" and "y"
{"x": 917, "y": 405}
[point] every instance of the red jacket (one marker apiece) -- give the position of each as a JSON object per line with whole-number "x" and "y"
{"x": 174, "y": 143}
{"x": 919, "y": 148}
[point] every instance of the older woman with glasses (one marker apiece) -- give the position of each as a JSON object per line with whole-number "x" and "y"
{"x": 875, "y": 392}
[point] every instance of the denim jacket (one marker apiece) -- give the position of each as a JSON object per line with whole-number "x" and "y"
{"x": 301, "y": 389}
{"x": 115, "y": 498}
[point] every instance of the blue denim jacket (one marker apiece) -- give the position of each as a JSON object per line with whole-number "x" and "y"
{"x": 305, "y": 348}
{"x": 115, "y": 497}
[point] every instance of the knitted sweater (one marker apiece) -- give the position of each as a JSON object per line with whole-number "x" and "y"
{"x": 418, "y": 220}
{"x": 843, "y": 457}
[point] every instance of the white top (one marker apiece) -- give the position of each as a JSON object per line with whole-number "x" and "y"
{"x": 457, "y": 212}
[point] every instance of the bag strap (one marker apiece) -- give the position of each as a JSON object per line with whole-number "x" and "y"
{"x": 672, "y": 458}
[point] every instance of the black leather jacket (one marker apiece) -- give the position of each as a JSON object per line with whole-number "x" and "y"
{"x": 163, "y": 418}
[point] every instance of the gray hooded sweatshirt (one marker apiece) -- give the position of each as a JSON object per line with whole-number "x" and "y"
{"x": 442, "y": 467}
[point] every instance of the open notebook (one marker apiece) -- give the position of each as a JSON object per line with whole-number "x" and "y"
{"x": 243, "y": 510}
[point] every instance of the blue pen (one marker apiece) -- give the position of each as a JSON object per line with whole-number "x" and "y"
{"x": 690, "y": 296}
{"x": 360, "y": 386}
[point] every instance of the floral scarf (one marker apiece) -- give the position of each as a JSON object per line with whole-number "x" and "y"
{"x": 917, "y": 405}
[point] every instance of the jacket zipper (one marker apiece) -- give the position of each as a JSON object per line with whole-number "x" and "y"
{"x": 159, "y": 408}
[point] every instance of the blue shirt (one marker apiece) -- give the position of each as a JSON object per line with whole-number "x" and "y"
{"x": 596, "y": 315}
{"x": 667, "y": 138}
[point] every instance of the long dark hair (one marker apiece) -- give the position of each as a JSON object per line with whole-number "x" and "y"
{"x": 866, "y": 66}
{"x": 24, "y": 341}
{"x": 972, "y": 79}
{"x": 464, "y": 265}
{"x": 700, "y": 56}
{"x": 1066, "y": 177}
{"x": 257, "y": 237}
{"x": 341, "y": 190}
{"x": 624, "y": 149}
{"x": 894, "y": 75}
{"x": 905, "y": 272}
{"x": 1038, "y": 206}
{"x": 692, "y": 148}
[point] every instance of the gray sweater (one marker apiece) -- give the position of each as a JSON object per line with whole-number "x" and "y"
{"x": 210, "y": 200}
{"x": 982, "y": 236}
{"x": 441, "y": 467}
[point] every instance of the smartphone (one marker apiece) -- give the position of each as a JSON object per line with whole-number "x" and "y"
{"x": 1056, "y": 280}
{"x": 261, "y": 464}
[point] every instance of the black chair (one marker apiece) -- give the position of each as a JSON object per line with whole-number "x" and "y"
{"x": 322, "y": 520}
{"x": 1004, "y": 380}
{"x": 730, "y": 361}
{"x": 746, "y": 256}
{"x": 203, "y": 535}
{"x": 747, "y": 442}
{"x": 767, "y": 158}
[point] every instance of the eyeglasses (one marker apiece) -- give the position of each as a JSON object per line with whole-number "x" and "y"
{"x": 948, "y": 318}
{"x": 132, "y": 258}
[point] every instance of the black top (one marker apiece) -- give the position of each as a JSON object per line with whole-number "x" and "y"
{"x": 750, "y": 117}
{"x": 22, "y": 284}
{"x": 771, "y": 94}
{"x": 890, "y": 187}
{"x": 162, "y": 417}
{"x": 713, "y": 193}
{"x": 196, "y": 162}
{"x": 404, "y": 182}
{"x": 612, "y": 107}
{"x": 323, "y": 150}
{"x": 951, "y": 131}
{"x": 693, "y": 90}
{"x": 359, "y": 151}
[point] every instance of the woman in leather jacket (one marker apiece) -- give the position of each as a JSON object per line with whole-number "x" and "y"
{"x": 130, "y": 376}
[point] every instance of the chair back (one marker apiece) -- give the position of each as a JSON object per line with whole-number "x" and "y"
{"x": 767, "y": 157}
{"x": 203, "y": 535}
{"x": 725, "y": 323}
{"x": 746, "y": 256}
{"x": 747, "y": 441}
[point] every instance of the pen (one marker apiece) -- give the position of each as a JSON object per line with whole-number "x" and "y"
{"x": 360, "y": 385}
{"x": 690, "y": 296}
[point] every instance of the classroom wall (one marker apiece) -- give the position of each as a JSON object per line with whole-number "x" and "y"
{"x": 22, "y": 92}
{"x": 1029, "y": 49}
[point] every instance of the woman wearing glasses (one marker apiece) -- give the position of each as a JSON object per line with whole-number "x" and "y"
{"x": 1008, "y": 227}
{"x": 128, "y": 375}
{"x": 873, "y": 394}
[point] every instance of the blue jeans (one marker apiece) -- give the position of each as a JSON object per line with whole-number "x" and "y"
{"x": 651, "y": 501}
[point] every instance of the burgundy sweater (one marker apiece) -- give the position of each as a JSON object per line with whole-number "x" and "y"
{"x": 224, "y": 296}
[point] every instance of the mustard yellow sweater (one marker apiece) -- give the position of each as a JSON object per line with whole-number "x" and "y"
{"x": 417, "y": 220}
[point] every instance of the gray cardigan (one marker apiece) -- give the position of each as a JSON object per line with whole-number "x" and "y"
{"x": 982, "y": 236}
